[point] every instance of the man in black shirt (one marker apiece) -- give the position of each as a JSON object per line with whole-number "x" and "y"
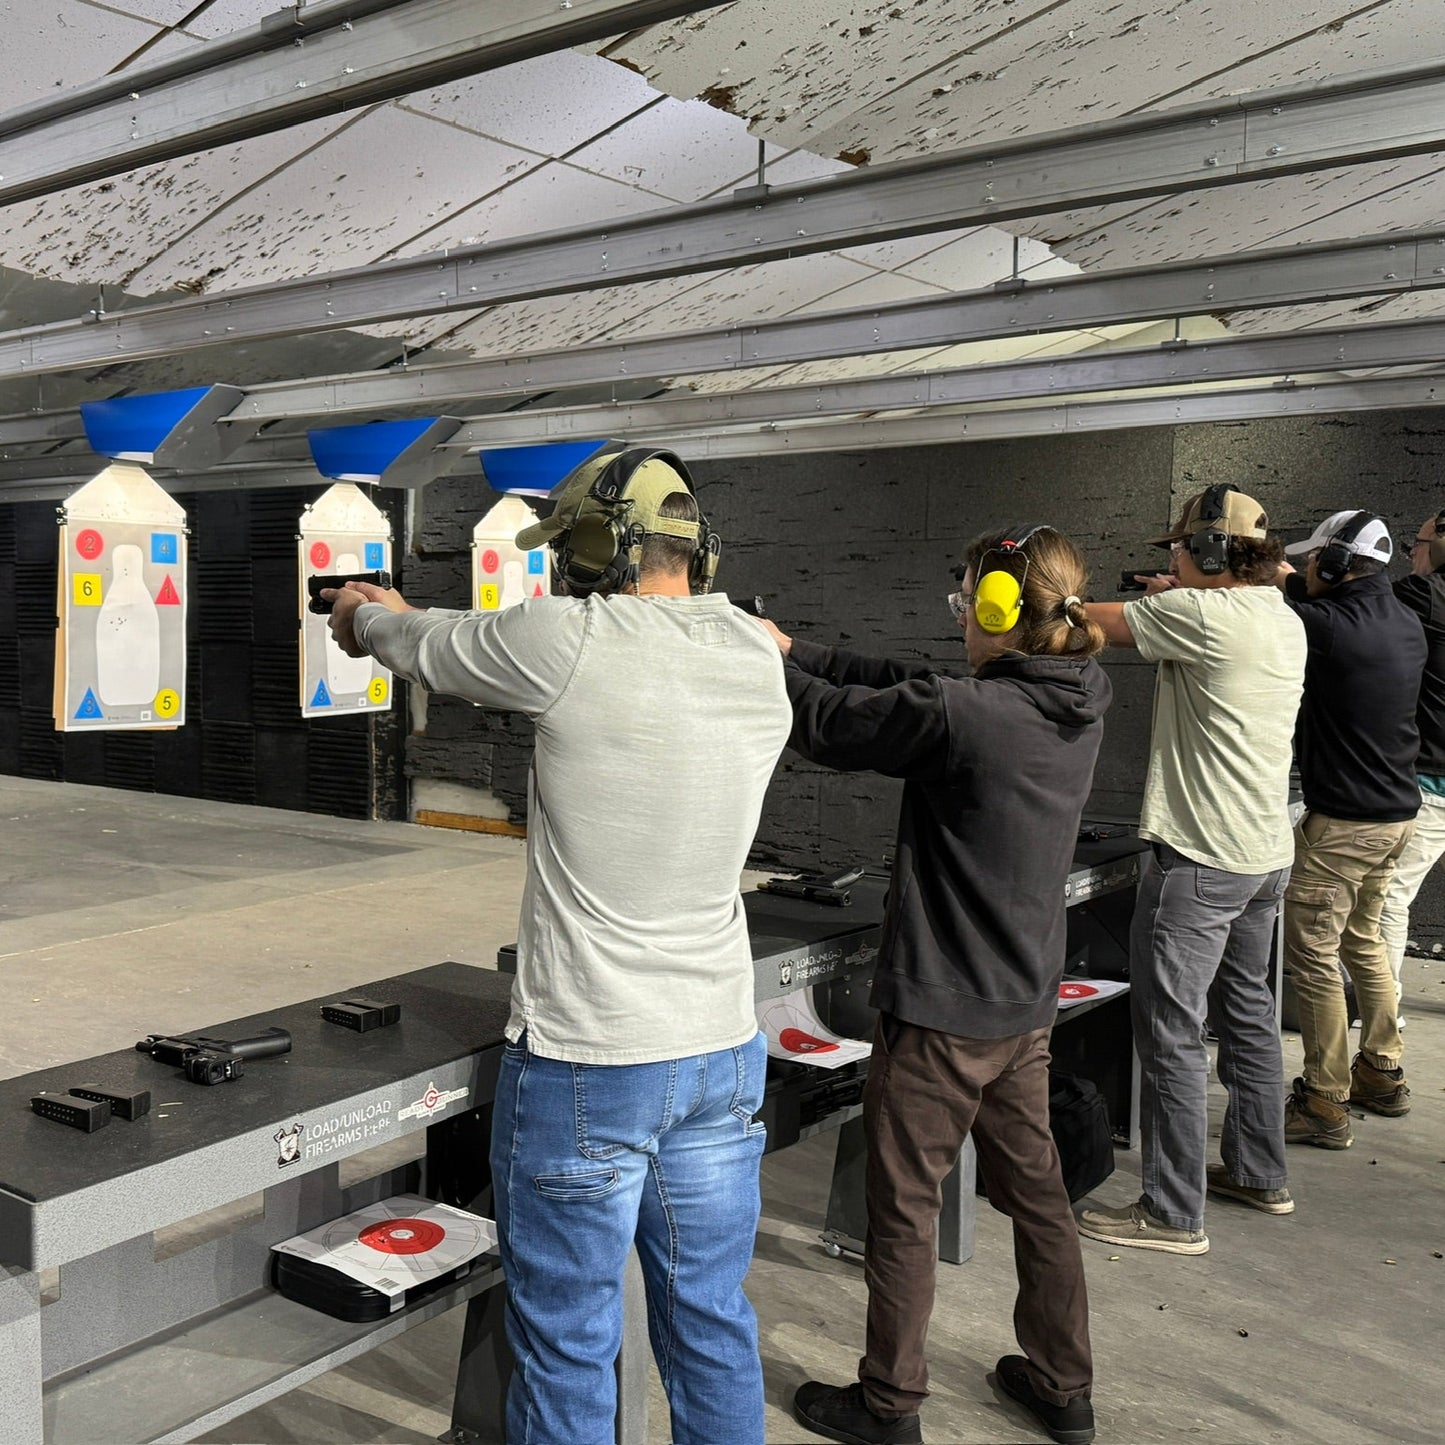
{"x": 1356, "y": 745}
{"x": 1423, "y": 592}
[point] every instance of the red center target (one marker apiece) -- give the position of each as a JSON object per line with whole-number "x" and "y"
{"x": 320, "y": 555}
{"x": 797, "y": 1042}
{"x": 402, "y": 1236}
{"x": 490, "y": 561}
{"x": 1077, "y": 990}
{"x": 90, "y": 544}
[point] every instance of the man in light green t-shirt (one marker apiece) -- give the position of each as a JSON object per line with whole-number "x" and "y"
{"x": 1231, "y": 660}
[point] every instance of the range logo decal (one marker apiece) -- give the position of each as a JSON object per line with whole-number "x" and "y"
{"x": 288, "y": 1145}
{"x": 431, "y": 1103}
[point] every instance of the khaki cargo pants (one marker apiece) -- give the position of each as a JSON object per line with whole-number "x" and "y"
{"x": 1332, "y": 906}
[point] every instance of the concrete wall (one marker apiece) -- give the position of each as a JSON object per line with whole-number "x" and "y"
{"x": 857, "y": 548}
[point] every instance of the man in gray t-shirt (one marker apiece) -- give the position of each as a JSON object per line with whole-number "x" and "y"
{"x": 1231, "y": 659}
{"x": 633, "y": 1067}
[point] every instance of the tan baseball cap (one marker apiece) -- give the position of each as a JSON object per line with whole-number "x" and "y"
{"x": 1242, "y": 517}
{"x": 651, "y": 484}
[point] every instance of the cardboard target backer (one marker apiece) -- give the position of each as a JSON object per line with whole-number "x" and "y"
{"x": 341, "y": 532}
{"x": 502, "y": 574}
{"x": 120, "y": 651}
{"x": 397, "y": 1244}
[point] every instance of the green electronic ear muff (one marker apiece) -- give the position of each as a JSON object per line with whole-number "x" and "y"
{"x": 998, "y": 592}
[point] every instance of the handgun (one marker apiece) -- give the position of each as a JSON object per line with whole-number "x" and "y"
{"x": 316, "y": 585}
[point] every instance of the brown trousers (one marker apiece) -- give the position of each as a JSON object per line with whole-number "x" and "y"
{"x": 926, "y": 1092}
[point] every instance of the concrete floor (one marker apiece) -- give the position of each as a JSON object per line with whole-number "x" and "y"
{"x": 122, "y": 913}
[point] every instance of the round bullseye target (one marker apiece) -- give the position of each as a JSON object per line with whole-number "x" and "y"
{"x": 409, "y": 1245}
{"x": 403, "y": 1236}
{"x": 1077, "y": 990}
{"x": 798, "y": 1042}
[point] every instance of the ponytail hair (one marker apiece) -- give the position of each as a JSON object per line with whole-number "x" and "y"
{"x": 1052, "y": 621}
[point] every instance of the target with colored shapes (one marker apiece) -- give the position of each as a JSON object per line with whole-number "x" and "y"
{"x": 502, "y": 573}
{"x": 121, "y": 642}
{"x": 342, "y": 533}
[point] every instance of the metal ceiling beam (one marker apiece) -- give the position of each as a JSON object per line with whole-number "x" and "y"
{"x": 1367, "y": 267}
{"x": 1401, "y": 343}
{"x": 1064, "y": 419}
{"x": 296, "y": 65}
{"x": 224, "y": 479}
{"x": 1241, "y": 138}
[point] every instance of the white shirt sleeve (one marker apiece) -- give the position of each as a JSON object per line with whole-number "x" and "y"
{"x": 521, "y": 659}
{"x": 1170, "y": 626}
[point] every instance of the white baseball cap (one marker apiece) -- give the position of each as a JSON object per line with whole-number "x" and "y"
{"x": 1372, "y": 540}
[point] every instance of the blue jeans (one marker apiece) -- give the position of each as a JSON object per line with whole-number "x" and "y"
{"x": 1200, "y": 947}
{"x": 588, "y": 1159}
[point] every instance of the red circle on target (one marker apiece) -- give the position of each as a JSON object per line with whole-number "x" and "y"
{"x": 90, "y": 544}
{"x": 320, "y": 554}
{"x": 402, "y": 1236}
{"x": 490, "y": 560}
{"x": 797, "y": 1042}
{"x": 1077, "y": 990}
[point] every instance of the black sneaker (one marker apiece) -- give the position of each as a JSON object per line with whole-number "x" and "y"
{"x": 1071, "y": 1424}
{"x": 839, "y": 1413}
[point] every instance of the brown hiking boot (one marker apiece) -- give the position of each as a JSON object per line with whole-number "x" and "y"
{"x": 1267, "y": 1201}
{"x": 1310, "y": 1119}
{"x": 1381, "y": 1091}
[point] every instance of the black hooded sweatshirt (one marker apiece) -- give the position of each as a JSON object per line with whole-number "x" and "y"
{"x": 997, "y": 768}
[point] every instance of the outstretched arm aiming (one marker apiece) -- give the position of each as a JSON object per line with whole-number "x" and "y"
{"x": 520, "y": 659}
{"x": 1110, "y": 616}
{"x": 843, "y": 668}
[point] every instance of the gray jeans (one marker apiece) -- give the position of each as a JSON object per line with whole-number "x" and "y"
{"x": 1200, "y": 947}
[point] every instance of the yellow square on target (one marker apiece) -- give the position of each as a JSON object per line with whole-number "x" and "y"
{"x": 87, "y": 589}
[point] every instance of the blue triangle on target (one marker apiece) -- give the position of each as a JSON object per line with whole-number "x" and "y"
{"x": 88, "y": 708}
{"x": 322, "y": 698}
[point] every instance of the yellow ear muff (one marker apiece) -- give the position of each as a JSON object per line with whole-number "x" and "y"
{"x": 997, "y": 601}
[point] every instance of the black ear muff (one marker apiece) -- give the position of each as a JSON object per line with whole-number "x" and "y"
{"x": 1336, "y": 556}
{"x": 1209, "y": 542}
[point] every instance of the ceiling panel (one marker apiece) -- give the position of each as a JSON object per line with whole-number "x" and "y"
{"x": 679, "y": 149}
{"x": 584, "y": 97}
{"x": 337, "y": 206}
{"x": 550, "y": 196}
{"x": 107, "y": 232}
{"x": 61, "y": 44}
{"x": 161, "y": 12}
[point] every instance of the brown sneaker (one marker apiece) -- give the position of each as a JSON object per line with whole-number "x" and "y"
{"x": 1309, "y": 1119}
{"x": 1381, "y": 1091}
{"x": 1267, "y": 1201}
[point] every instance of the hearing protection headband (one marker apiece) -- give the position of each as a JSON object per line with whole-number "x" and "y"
{"x": 1333, "y": 563}
{"x": 998, "y": 590}
{"x": 602, "y": 550}
{"x": 1209, "y": 542}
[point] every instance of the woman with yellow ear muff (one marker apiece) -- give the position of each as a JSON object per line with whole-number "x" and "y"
{"x": 998, "y": 595}
{"x": 996, "y": 770}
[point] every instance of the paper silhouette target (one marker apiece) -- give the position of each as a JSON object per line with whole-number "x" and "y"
{"x": 341, "y": 532}
{"x": 502, "y": 574}
{"x": 120, "y": 657}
